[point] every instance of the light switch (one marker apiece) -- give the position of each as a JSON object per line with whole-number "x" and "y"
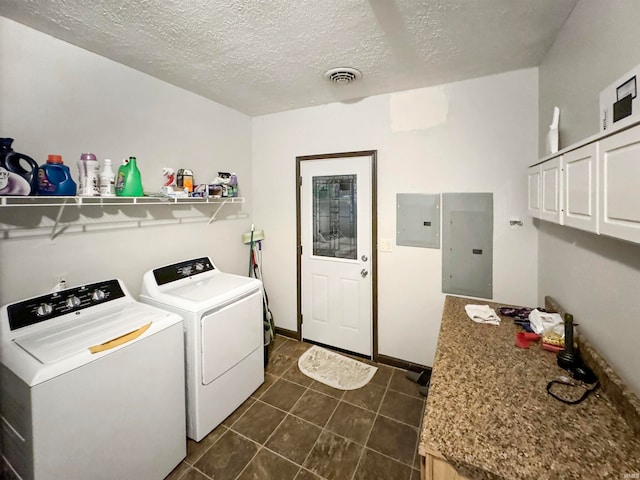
{"x": 385, "y": 245}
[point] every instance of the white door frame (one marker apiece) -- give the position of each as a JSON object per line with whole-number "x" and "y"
{"x": 372, "y": 154}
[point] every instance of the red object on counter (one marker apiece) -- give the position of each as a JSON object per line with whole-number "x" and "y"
{"x": 552, "y": 348}
{"x": 524, "y": 339}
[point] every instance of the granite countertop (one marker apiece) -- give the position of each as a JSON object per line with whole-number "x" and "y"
{"x": 489, "y": 415}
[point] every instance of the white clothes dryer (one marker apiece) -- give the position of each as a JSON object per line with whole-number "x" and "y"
{"x": 224, "y": 337}
{"x": 91, "y": 386}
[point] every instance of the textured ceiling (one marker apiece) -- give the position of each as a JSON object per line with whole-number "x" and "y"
{"x": 265, "y": 56}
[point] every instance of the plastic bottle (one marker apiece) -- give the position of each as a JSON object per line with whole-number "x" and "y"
{"x": 233, "y": 183}
{"x": 107, "y": 180}
{"x": 185, "y": 179}
{"x": 18, "y": 172}
{"x": 54, "y": 178}
{"x": 88, "y": 168}
{"x": 129, "y": 181}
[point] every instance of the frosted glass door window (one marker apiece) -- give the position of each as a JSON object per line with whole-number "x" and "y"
{"x": 334, "y": 216}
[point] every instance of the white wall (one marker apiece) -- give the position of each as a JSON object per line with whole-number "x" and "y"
{"x": 58, "y": 98}
{"x": 487, "y": 138}
{"x": 595, "y": 278}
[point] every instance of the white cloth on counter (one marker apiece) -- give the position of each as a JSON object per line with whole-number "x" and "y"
{"x": 544, "y": 323}
{"x": 482, "y": 314}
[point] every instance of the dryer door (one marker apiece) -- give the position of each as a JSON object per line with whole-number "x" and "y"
{"x": 230, "y": 334}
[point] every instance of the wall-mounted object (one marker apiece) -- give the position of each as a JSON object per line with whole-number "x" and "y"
{"x": 467, "y": 244}
{"x": 618, "y": 102}
{"x": 418, "y": 220}
{"x": 553, "y": 140}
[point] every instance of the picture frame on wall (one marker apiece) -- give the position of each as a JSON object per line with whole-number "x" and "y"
{"x": 626, "y": 89}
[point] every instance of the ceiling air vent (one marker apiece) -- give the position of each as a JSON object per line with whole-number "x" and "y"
{"x": 342, "y": 75}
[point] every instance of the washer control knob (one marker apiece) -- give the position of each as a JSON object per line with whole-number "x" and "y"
{"x": 97, "y": 295}
{"x": 199, "y": 267}
{"x": 72, "y": 302}
{"x": 44, "y": 309}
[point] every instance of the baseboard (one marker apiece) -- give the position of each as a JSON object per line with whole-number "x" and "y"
{"x": 288, "y": 333}
{"x": 384, "y": 359}
{"x": 403, "y": 364}
{"x": 336, "y": 349}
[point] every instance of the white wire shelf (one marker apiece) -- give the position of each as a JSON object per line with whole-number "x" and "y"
{"x": 14, "y": 201}
{"x": 70, "y": 202}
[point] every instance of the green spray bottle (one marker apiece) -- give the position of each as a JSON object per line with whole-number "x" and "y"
{"x": 129, "y": 181}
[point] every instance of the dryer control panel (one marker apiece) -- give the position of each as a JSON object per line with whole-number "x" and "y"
{"x": 43, "y": 308}
{"x": 178, "y": 271}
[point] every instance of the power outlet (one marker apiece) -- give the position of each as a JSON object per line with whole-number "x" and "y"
{"x": 59, "y": 278}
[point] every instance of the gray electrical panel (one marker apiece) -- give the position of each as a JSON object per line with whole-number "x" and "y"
{"x": 418, "y": 220}
{"x": 467, "y": 244}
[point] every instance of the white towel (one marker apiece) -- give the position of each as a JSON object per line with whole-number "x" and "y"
{"x": 482, "y": 314}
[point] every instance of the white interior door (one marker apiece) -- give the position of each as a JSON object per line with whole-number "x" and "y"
{"x": 335, "y": 221}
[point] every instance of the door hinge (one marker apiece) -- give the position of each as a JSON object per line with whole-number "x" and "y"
{"x": 299, "y": 181}
{"x": 299, "y": 249}
{"x": 301, "y": 319}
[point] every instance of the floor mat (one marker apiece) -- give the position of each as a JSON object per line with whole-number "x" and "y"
{"x": 334, "y": 369}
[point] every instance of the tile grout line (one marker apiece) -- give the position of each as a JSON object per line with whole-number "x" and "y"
{"x": 322, "y": 430}
{"x": 191, "y": 465}
{"x": 308, "y": 388}
{"x": 287, "y": 414}
{"x": 261, "y": 446}
{"x": 197, "y": 470}
{"x": 415, "y": 447}
{"x": 209, "y": 447}
{"x": 424, "y": 406}
{"x": 372, "y": 426}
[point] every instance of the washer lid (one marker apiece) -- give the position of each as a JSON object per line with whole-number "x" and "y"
{"x": 200, "y": 291}
{"x": 69, "y": 338}
{"x": 194, "y": 294}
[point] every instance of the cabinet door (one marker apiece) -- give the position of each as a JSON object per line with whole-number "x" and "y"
{"x": 580, "y": 174}
{"x": 534, "y": 190}
{"x": 619, "y": 161}
{"x": 551, "y": 196}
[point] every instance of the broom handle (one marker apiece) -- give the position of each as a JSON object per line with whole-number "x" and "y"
{"x": 251, "y": 251}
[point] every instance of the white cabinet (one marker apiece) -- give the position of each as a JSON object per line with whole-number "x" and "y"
{"x": 580, "y": 187}
{"x": 593, "y": 186}
{"x": 534, "y": 191}
{"x": 551, "y": 191}
{"x": 620, "y": 185}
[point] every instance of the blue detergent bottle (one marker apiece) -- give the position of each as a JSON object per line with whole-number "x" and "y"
{"x": 54, "y": 178}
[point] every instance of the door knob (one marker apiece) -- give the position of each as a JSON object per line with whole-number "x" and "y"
{"x": 364, "y": 273}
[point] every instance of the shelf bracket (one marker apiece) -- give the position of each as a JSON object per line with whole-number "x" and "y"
{"x": 213, "y": 217}
{"x": 55, "y": 233}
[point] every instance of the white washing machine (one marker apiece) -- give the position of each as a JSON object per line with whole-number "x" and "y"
{"x": 223, "y": 336}
{"x": 92, "y": 386}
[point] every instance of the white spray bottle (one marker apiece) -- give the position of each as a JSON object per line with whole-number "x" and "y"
{"x": 552, "y": 136}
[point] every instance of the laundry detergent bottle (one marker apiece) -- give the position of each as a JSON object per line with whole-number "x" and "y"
{"x": 54, "y": 178}
{"x": 18, "y": 172}
{"x": 129, "y": 180}
{"x": 88, "y": 169}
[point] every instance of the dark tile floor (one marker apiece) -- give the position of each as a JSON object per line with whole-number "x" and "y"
{"x": 294, "y": 428}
